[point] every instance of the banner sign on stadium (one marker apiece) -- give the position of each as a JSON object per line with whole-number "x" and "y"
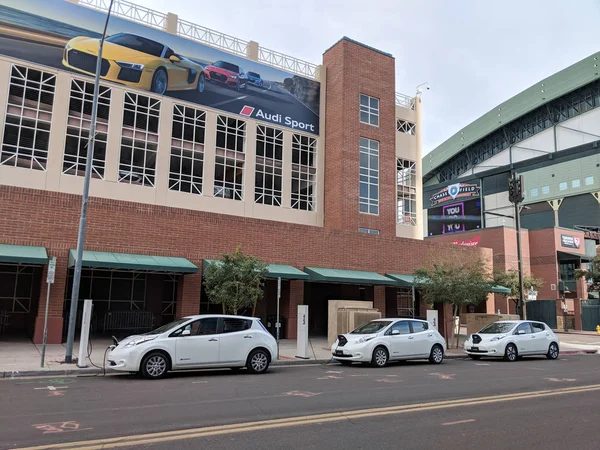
{"x": 455, "y": 191}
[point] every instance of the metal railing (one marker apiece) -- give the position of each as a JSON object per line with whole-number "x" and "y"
{"x": 211, "y": 37}
{"x": 289, "y": 63}
{"x": 131, "y": 11}
{"x": 405, "y": 101}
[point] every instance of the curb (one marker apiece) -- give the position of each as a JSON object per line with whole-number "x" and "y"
{"x": 578, "y": 333}
{"x": 280, "y": 363}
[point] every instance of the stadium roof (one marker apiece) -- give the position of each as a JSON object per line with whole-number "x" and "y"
{"x": 553, "y": 87}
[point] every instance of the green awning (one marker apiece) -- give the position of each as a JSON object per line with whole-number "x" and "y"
{"x": 23, "y": 254}
{"x": 347, "y": 276}
{"x": 282, "y": 271}
{"x": 409, "y": 281}
{"x": 569, "y": 256}
{"x": 108, "y": 260}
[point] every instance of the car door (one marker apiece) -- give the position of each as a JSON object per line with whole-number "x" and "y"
{"x": 541, "y": 341}
{"x": 197, "y": 343}
{"x": 236, "y": 340}
{"x": 523, "y": 338}
{"x": 177, "y": 71}
{"x": 422, "y": 338}
{"x": 401, "y": 340}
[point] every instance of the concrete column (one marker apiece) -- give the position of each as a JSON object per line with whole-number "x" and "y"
{"x": 188, "y": 295}
{"x": 210, "y": 144}
{"x": 379, "y": 299}
{"x": 57, "y": 298}
{"x": 252, "y": 51}
{"x": 171, "y": 23}
{"x": 577, "y": 311}
{"x": 296, "y": 297}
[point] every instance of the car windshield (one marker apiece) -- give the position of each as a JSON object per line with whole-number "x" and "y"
{"x": 137, "y": 43}
{"x": 497, "y": 328}
{"x": 168, "y": 326}
{"x": 371, "y": 327}
{"x": 254, "y": 74}
{"x": 227, "y": 66}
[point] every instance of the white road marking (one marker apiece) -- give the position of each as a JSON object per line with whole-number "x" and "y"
{"x": 199, "y": 382}
{"x": 334, "y": 371}
{"x": 482, "y": 364}
{"x": 458, "y": 422}
{"x": 305, "y": 394}
{"x": 228, "y": 101}
{"x": 560, "y": 379}
{"x": 51, "y": 388}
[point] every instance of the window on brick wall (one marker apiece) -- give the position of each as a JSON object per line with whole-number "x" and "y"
{"x": 406, "y": 192}
{"x": 78, "y": 127}
{"x": 16, "y": 287}
{"x": 368, "y": 198}
{"x": 269, "y": 165}
{"x": 369, "y": 110}
{"x": 230, "y": 158}
{"x": 404, "y": 126}
{"x": 139, "y": 140}
{"x": 304, "y": 172}
{"x": 187, "y": 150}
{"x": 28, "y": 118}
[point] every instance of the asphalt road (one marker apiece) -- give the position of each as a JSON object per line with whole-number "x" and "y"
{"x": 271, "y": 99}
{"x": 461, "y": 404}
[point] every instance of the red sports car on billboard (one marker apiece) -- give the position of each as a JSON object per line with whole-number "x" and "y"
{"x": 227, "y": 73}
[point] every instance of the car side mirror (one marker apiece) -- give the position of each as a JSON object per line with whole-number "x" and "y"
{"x": 186, "y": 332}
{"x": 521, "y": 332}
{"x": 395, "y": 332}
{"x": 174, "y": 58}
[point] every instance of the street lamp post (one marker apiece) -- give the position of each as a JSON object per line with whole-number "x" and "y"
{"x": 85, "y": 198}
{"x": 515, "y": 196}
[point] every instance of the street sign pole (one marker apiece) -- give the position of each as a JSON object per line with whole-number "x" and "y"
{"x": 50, "y": 281}
{"x": 277, "y": 324}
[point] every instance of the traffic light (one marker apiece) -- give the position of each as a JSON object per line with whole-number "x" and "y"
{"x": 515, "y": 190}
{"x": 511, "y": 190}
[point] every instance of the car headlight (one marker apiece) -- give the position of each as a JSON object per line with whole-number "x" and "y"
{"x": 130, "y": 65}
{"x": 364, "y": 339}
{"x": 497, "y": 338}
{"x": 233, "y": 77}
{"x": 68, "y": 46}
{"x": 139, "y": 341}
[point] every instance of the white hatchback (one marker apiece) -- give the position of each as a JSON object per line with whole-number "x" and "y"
{"x": 197, "y": 342}
{"x": 383, "y": 340}
{"x": 512, "y": 339}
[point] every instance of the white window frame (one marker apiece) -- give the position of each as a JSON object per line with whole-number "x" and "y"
{"x": 563, "y": 186}
{"x": 187, "y": 146}
{"x": 230, "y": 157}
{"x": 271, "y": 140}
{"x": 28, "y": 116}
{"x": 589, "y": 181}
{"x": 140, "y": 138}
{"x": 406, "y": 191}
{"x": 404, "y": 126}
{"x": 78, "y": 127}
{"x": 368, "y": 176}
{"x": 369, "y": 110}
{"x": 576, "y": 184}
{"x": 304, "y": 172}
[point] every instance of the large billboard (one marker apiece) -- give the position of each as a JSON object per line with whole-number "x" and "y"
{"x": 454, "y": 209}
{"x": 65, "y": 36}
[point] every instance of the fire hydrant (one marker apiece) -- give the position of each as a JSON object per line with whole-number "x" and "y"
{"x": 598, "y": 329}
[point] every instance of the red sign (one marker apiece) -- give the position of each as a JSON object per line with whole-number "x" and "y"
{"x": 470, "y": 243}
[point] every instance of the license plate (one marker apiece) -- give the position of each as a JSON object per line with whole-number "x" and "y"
{"x": 474, "y": 349}
{"x": 339, "y": 353}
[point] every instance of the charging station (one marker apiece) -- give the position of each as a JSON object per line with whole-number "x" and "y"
{"x": 85, "y": 333}
{"x": 302, "y": 336}
{"x": 432, "y": 318}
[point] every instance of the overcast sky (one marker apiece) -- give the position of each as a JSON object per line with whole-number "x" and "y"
{"x": 474, "y": 53}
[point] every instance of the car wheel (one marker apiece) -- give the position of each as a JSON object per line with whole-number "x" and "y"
{"x": 380, "y": 357}
{"x": 552, "y": 351}
{"x": 159, "y": 81}
{"x": 437, "y": 354}
{"x": 154, "y": 366}
{"x": 201, "y": 83}
{"x": 475, "y": 357}
{"x": 510, "y": 354}
{"x": 258, "y": 361}
{"x": 238, "y": 86}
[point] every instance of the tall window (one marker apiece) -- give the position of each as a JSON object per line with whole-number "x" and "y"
{"x": 139, "y": 140}
{"x": 269, "y": 162}
{"x": 230, "y": 158}
{"x": 28, "y": 118}
{"x": 406, "y": 189}
{"x": 369, "y": 110}
{"x": 304, "y": 172}
{"x": 187, "y": 150}
{"x": 369, "y": 176}
{"x": 404, "y": 126}
{"x": 78, "y": 129}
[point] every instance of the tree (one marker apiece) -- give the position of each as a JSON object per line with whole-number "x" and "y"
{"x": 235, "y": 282}
{"x": 592, "y": 276}
{"x": 458, "y": 283}
{"x": 510, "y": 279}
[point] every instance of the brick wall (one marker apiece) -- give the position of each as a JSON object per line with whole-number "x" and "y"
{"x": 353, "y": 69}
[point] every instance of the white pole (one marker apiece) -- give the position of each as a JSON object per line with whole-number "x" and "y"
{"x": 49, "y": 280}
{"x": 277, "y": 323}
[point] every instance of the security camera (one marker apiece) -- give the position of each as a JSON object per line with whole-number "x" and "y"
{"x": 428, "y": 87}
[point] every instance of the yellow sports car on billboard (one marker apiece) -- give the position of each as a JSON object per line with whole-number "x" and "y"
{"x": 135, "y": 61}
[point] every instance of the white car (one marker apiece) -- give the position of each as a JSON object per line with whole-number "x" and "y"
{"x": 383, "y": 340}
{"x": 197, "y": 342}
{"x": 512, "y": 339}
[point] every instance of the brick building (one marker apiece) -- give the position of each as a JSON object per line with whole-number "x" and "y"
{"x": 177, "y": 183}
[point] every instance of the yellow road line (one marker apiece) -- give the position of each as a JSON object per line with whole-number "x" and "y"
{"x": 153, "y": 438}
